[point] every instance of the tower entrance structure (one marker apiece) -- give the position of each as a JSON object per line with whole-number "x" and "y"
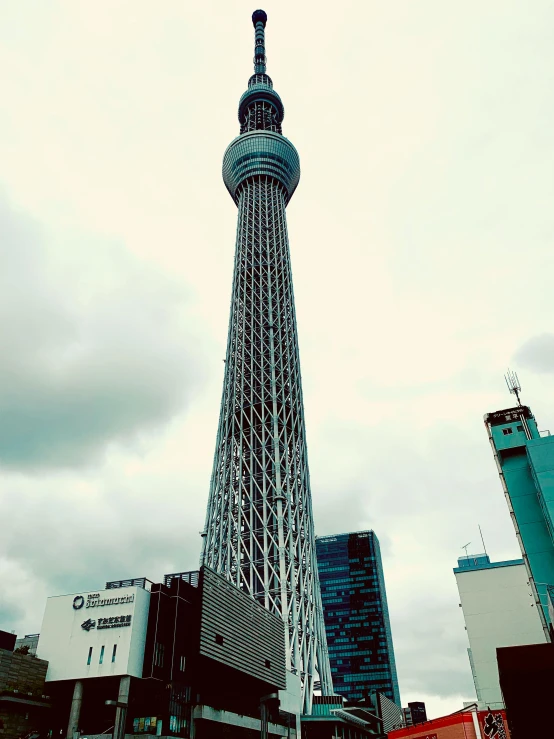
{"x": 259, "y": 528}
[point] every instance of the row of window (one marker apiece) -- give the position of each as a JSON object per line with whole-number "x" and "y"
{"x": 510, "y": 430}
{"x": 159, "y": 654}
{"x": 363, "y": 678}
{"x": 102, "y": 649}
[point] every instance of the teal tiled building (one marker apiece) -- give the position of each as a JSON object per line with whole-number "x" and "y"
{"x": 525, "y": 461}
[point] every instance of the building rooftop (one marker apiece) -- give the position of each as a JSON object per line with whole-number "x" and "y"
{"x": 482, "y": 562}
{"x": 334, "y": 537}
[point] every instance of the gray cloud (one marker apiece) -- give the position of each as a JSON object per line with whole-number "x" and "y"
{"x": 537, "y": 354}
{"x": 10, "y": 613}
{"x": 86, "y": 362}
{"x": 442, "y": 671}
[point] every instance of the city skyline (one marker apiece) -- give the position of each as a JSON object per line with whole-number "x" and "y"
{"x": 115, "y": 287}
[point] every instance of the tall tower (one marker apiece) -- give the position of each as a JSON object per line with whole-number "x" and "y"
{"x": 259, "y": 526}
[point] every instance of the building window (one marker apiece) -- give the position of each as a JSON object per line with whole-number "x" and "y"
{"x": 267, "y": 663}
{"x": 89, "y": 655}
{"x": 520, "y": 428}
{"x": 114, "y": 651}
{"x": 507, "y": 432}
{"x": 159, "y": 654}
{"x": 182, "y": 663}
{"x": 101, "y": 654}
{"x": 218, "y": 639}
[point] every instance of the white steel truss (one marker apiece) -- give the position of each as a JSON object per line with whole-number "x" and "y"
{"x": 259, "y": 525}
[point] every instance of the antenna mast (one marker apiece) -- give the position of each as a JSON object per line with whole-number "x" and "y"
{"x": 483, "y": 540}
{"x": 514, "y": 386}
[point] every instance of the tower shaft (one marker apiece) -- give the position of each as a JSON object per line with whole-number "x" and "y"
{"x": 259, "y": 525}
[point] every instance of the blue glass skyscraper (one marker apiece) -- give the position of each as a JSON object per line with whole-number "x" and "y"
{"x": 525, "y": 460}
{"x": 356, "y": 615}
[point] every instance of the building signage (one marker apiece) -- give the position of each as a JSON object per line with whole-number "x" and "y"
{"x": 510, "y": 414}
{"x": 493, "y": 724}
{"x": 145, "y": 725}
{"x": 115, "y": 622}
{"x": 93, "y": 600}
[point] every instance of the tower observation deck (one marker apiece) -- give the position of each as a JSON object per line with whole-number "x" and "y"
{"x": 259, "y": 528}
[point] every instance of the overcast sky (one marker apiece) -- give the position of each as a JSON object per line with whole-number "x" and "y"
{"x": 421, "y": 238}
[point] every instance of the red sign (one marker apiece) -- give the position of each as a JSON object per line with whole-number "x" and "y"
{"x": 493, "y": 724}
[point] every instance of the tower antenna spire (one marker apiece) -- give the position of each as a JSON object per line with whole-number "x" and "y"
{"x": 259, "y": 19}
{"x": 259, "y": 530}
{"x": 513, "y": 383}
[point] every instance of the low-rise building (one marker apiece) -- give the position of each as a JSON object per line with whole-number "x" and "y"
{"x": 27, "y": 644}
{"x": 333, "y": 718}
{"x": 414, "y": 713}
{"x": 469, "y": 723}
{"x": 23, "y": 701}
{"x": 499, "y": 611}
{"x": 192, "y": 656}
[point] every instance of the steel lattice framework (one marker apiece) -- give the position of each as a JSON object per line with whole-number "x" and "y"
{"x": 259, "y": 526}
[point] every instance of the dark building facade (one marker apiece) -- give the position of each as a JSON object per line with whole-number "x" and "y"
{"x": 213, "y": 665}
{"x": 527, "y": 681}
{"x": 415, "y": 713}
{"x": 23, "y": 703}
{"x": 356, "y": 615}
{"x": 332, "y": 718}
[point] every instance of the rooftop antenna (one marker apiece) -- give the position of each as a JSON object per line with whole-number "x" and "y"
{"x": 465, "y": 546}
{"x": 514, "y": 386}
{"x": 483, "y": 540}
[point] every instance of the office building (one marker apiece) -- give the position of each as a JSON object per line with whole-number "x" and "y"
{"x": 415, "y": 713}
{"x": 356, "y": 615}
{"x": 499, "y": 611}
{"x": 388, "y": 712}
{"x": 190, "y": 657}
{"x": 525, "y": 460}
{"x": 259, "y": 530}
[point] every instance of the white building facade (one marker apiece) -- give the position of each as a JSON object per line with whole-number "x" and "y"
{"x": 499, "y": 611}
{"x": 95, "y": 634}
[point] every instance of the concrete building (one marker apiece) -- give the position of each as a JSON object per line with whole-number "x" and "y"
{"x": 28, "y": 643}
{"x": 499, "y": 611}
{"x": 24, "y": 703}
{"x": 193, "y": 656}
{"x": 386, "y": 710}
{"x": 414, "y": 713}
{"x": 356, "y": 615}
{"x": 525, "y": 460}
{"x": 333, "y": 718}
